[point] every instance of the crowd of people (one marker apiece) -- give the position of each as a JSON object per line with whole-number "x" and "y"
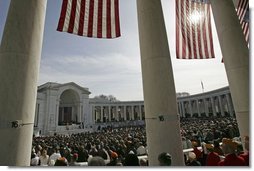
{"x": 215, "y": 141}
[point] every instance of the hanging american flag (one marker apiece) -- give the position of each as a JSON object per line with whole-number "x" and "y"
{"x": 90, "y": 18}
{"x": 243, "y": 15}
{"x": 193, "y": 30}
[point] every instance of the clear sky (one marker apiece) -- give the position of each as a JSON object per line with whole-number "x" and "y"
{"x": 113, "y": 66}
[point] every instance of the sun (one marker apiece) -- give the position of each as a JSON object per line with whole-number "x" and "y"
{"x": 196, "y": 17}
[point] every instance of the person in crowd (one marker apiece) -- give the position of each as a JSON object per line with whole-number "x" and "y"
{"x": 113, "y": 159}
{"x": 82, "y": 154}
{"x": 34, "y": 159}
{"x": 197, "y": 152}
{"x": 192, "y": 160}
{"x": 96, "y": 161}
{"x": 203, "y": 156}
{"x": 53, "y": 157}
{"x": 143, "y": 162}
{"x": 245, "y": 155}
{"x": 217, "y": 148}
{"x": 131, "y": 160}
{"x": 104, "y": 154}
{"x": 212, "y": 158}
{"x": 186, "y": 143}
{"x": 44, "y": 158}
{"x": 141, "y": 150}
{"x": 231, "y": 158}
{"x": 74, "y": 158}
{"x": 62, "y": 161}
{"x": 164, "y": 159}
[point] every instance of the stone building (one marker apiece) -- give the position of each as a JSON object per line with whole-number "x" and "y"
{"x": 67, "y": 108}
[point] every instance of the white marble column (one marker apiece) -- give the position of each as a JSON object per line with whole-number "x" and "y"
{"x": 183, "y": 108}
{"x": 190, "y": 108}
{"x": 124, "y": 112}
{"x": 235, "y": 54}
{"x": 179, "y": 109}
{"x": 198, "y": 110}
{"x": 117, "y": 113}
{"x": 213, "y": 106}
{"x": 113, "y": 111}
{"x": 20, "y": 54}
{"x": 101, "y": 114}
{"x": 206, "y": 107}
{"x": 109, "y": 113}
{"x": 221, "y": 106}
{"x": 57, "y": 111}
{"x": 158, "y": 84}
{"x": 140, "y": 112}
{"x": 98, "y": 114}
{"x": 132, "y": 112}
{"x": 80, "y": 112}
{"x": 93, "y": 114}
{"x": 229, "y": 105}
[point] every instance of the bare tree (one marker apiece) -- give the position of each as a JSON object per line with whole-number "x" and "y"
{"x": 110, "y": 98}
{"x": 182, "y": 94}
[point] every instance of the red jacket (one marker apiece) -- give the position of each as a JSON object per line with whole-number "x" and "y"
{"x": 232, "y": 160}
{"x": 212, "y": 159}
{"x": 197, "y": 152}
{"x": 245, "y": 156}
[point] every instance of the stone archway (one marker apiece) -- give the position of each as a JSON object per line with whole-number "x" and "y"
{"x": 69, "y": 108}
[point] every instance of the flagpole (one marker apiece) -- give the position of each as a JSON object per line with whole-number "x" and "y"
{"x": 235, "y": 54}
{"x": 20, "y": 53}
{"x": 162, "y": 120}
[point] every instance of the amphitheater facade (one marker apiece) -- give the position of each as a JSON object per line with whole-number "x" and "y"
{"x": 67, "y": 108}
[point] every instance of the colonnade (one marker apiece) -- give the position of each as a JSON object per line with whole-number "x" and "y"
{"x": 214, "y": 103}
{"x": 117, "y": 113}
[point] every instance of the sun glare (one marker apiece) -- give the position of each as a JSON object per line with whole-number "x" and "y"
{"x": 195, "y": 17}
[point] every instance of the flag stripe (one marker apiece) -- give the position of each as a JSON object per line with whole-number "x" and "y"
{"x": 242, "y": 8}
{"x": 108, "y": 18}
{"x": 112, "y": 13}
{"x": 90, "y": 18}
{"x": 104, "y": 21}
{"x": 246, "y": 31}
{"x": 67, "y": 17}
{"x": 178, "y": 25}
{"x": 205, "y": 44}
{"x": 201, "y": 25}
{"x": 99, "y": 27}
{"x": 73, "y": 15}
{"x": 117, "y": 20}
{"x": 190, "y": 30}
{"x": 95, "y": 18}
{"x": 210, "y": 35}
{"x": 77, "y": 17}
{"x": 82, "y": 17}
{"x": 193, "y": 30}
{"x": 86, "y": 19}
{"x": 62, "y": 15}
{"x": 186, "y": 49}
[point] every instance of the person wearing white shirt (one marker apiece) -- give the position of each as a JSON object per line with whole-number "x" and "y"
{"x": 44, "y": 158}
{"x": 53, "y": 157}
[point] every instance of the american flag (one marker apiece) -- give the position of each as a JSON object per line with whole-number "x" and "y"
{"x": 243, "y": 15}
{"x": 193, "y": 30}
{"x": 90, "y": 18}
